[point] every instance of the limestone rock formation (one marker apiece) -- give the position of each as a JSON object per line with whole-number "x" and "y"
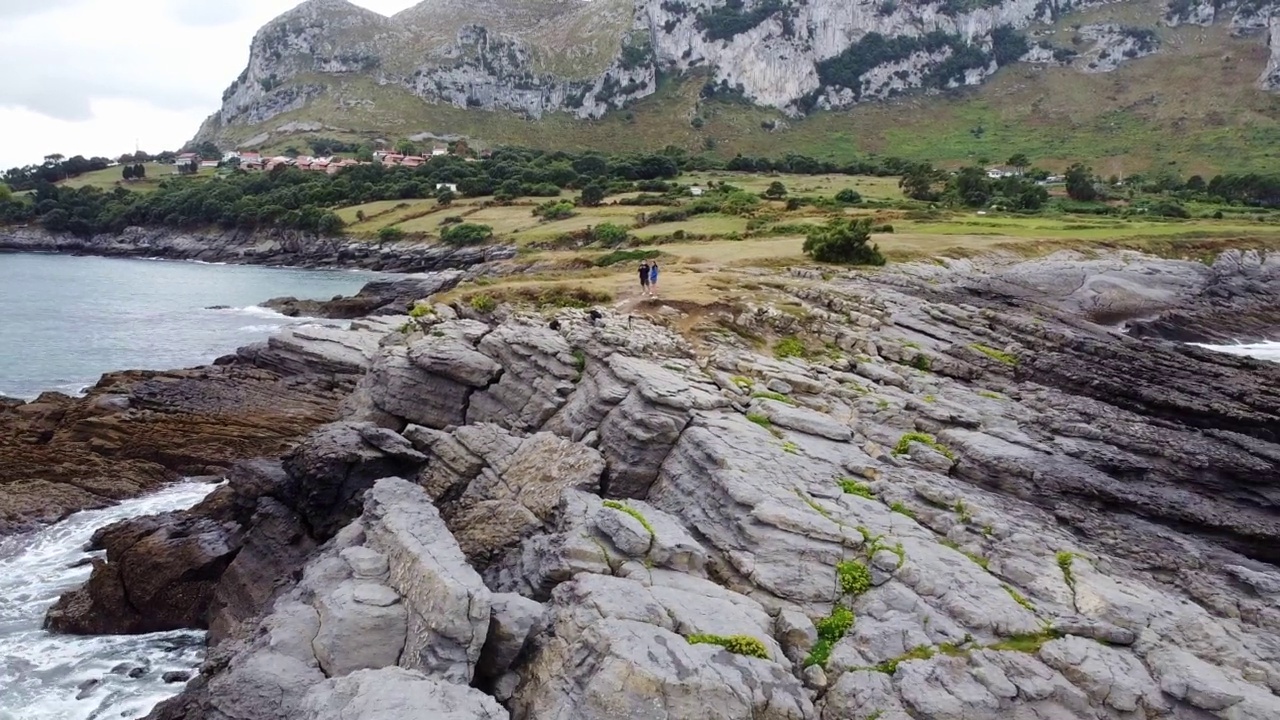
{"x": 975, "y": 501}
{"x": 586, "y": 58}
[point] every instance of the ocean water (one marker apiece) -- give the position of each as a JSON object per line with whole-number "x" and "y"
{"x": 64, "y": 321}
{"x": 62, "y": 677}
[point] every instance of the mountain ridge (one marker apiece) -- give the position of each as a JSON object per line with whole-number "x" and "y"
{"x": 585, "y": 60}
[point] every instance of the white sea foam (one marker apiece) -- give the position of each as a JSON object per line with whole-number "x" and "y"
{"x": 1263, "y": 350}
{"x": 64, "y": 677}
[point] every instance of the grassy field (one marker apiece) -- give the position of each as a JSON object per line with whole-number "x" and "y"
{"x": 112, "y": 178}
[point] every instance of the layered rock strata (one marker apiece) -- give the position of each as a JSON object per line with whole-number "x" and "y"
{"x": 959, "y": 502}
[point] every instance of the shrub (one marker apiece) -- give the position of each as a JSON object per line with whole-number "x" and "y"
{"x": 790, "y": 347}
{"x": 855, "y": 578}
{"x": 466, "y": 234}
{"x": 843, "y": 241}
{"x": 848, "y": 196}
{"x": 740, "y": 644}
{"x": 555, "y": 210}
{"x": 609, "y": 234}
{"x": 760, "y": 420}
{"x": 390, "y": 234}
{"x": 619, "y": 256}
{"x": 776, "y": 190}
{"x": 830, "y": 630}
{"x": 886, "y": 228}
{"x": 483, "y": 303}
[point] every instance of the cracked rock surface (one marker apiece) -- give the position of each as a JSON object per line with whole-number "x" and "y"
{"x": 972, "y": 501}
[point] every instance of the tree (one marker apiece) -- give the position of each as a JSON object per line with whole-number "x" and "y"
{"x": 390, "y": 234}
{"x": 127, "y": 173}
{"x": 364, "y": 153}
{"x": 776, "y": 191}
{"x": 406, "y": 147}
{"x": 592, "y": 195}
{"x": 970, "y": 186}
{"x": 1080, "y": 183}
{"x": 844, "y": 241}
{"x": 1196, "y": 183}
{"x": 445, "y": 196}
{"x": 5, "y": 193}
{"x": 54, "y": 158}
{"x": 139, "y": 171}
{"x": 1020, "y": 162}
{"x": 918, "y": 184}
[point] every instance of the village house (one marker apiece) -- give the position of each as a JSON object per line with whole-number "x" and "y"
{"x": 392, "y": 159}
{"x": 412, "y": 161}
{"x": 208, "y": 163}
{"x": 439, "y": 150}
{"x": 187, "y": 159}
{"x": 1003, "y": 171}
{"x": 696, "y": 191}
{"x": 453, "y": 188}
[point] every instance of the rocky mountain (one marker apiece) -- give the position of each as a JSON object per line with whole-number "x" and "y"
{"x": 587, "y": 57}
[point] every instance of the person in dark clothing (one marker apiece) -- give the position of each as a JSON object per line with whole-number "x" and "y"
{"x": 644, "y": 277}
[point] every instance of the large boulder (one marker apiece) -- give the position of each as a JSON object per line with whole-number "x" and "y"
{"x": 333, "y": 467}
{"x": 447, "y": 602}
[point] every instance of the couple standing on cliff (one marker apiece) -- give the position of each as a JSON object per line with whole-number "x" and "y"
{"x": 649, "y": 278}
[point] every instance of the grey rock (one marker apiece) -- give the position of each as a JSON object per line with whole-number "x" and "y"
{"x": 447, "y": 602}
{"x": 396, "y": 694}
{"x": 362, "y": 626}
{"x": 513, "y": 621}
{"x": 365, "y": 563}
{"x": 796, "y": 633}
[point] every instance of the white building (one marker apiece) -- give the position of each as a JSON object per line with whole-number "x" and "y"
{"x": 696, "y": 191}
{"x": 453, "y": 188}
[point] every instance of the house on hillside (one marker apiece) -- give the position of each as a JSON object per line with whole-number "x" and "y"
{"x": 392, "y": 159}
{"x": 187, "y": 159}
{"x": 696, "y": 191}
{"x": 412, "y": 161}
{"x": 439, "y": 150}
{"x": 453, "y": 187}
{"x": 208, "y": 163}
{"x": 1003, "y": 171}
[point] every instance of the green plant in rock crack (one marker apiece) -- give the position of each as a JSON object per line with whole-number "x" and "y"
{"x": 740, "y": 644}
{"x": 853, "y": 487}
{"x": 615, "y": 505}
{"x": 854, "y": 577}
{"x": 904, "y": 444}
{"x": 830, "y": 631}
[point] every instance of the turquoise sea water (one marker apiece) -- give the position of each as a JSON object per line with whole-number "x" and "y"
{"x": 66, "y": 320}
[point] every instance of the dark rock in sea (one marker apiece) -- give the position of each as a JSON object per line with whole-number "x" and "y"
{"x": 176, "y": 676}
{"x": 381, "y": 297}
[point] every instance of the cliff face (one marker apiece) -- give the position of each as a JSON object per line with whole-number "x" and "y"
{"x": 539, "y": 56}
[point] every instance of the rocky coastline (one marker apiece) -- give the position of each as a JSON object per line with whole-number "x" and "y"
{"x": 135, "y": 430}
{"x": 285, "y": 248}
{"x": 960, "y": 493}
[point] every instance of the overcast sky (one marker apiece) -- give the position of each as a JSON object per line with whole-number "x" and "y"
{"x": 91, "y": 77}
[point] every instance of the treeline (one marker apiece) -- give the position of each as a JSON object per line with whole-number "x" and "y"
{"x": 56, "y": 168}
{"x": 292, "y": 199}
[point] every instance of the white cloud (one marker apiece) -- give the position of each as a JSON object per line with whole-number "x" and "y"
{"x": 92, "y": 77}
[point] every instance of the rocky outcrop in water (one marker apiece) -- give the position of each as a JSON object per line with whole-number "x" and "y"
{"x": 963, "y": 499}
{"x": 255, "y": 247}
{"x": 135, "y": 430}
